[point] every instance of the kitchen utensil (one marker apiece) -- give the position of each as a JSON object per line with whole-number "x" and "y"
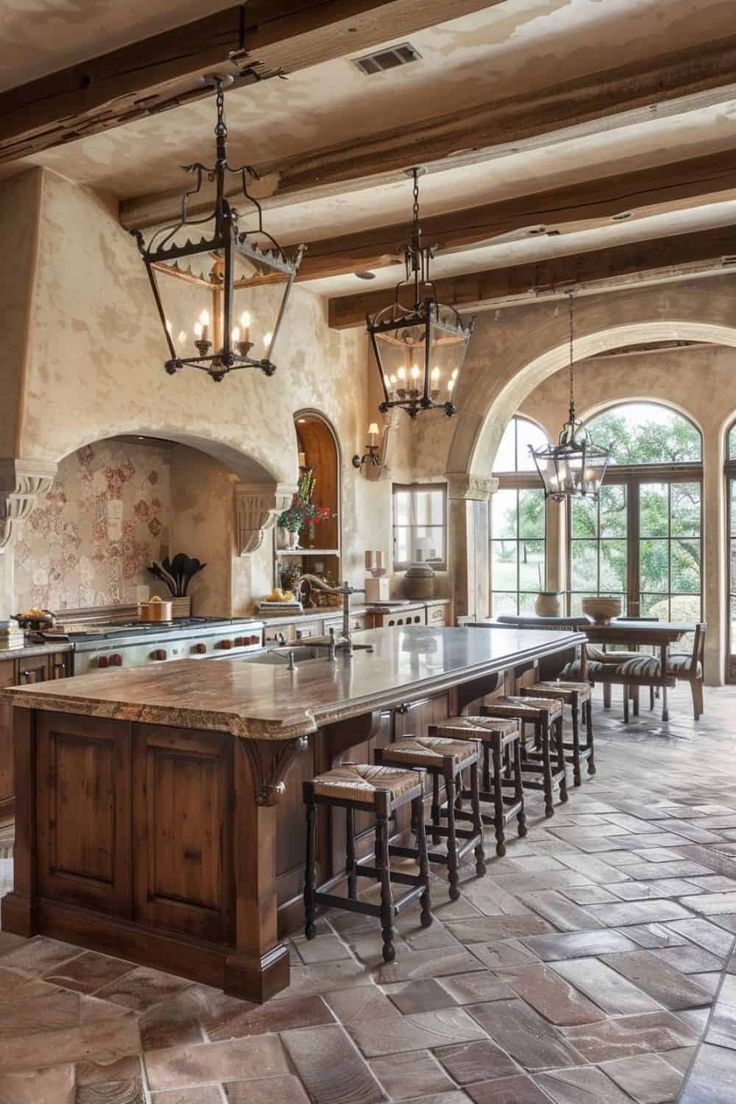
{"x": 156, "y": 610}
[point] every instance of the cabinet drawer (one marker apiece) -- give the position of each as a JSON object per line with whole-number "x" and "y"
{"x": 357, "y": 622}
{"x": 307, "y": 629}
{"x": 33, "y": 669}
{"x": 276, "y": 634}
{"x": 437, "y": 615}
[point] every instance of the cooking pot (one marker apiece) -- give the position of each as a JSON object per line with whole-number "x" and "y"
{"x": 156, "y": 610}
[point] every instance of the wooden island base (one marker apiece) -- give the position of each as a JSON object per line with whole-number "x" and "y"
{"x": 182, "y": 848}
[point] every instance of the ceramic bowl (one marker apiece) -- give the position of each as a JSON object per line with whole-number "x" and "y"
{"x": 601, "y": 610}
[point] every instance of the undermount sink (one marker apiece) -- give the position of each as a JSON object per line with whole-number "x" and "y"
{"x": 302, "y": 653}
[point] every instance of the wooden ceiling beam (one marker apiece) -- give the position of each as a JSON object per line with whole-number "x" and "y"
{"x": 581, "y": 206}
{"x": 258, "y": 39}
{"x": 693, "y": 77}
{"x": 658, "y": 258}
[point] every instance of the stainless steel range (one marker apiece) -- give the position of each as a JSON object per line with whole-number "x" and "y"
{"x": 135, "y": 643}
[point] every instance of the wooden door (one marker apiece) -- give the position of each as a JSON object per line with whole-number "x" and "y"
{"x": 33, "y": 669}
{"x": 7, "y": 786}
{"x": 182, "y": 834}
{"x": 83, "y": 811}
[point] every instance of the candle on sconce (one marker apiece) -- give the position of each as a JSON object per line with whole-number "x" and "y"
{"x": 302, "y": 460}
{"x": 245, "y": 323}
{"x": 370, "y": 560}
{"x": 204, "y": 322}
{"x": 373, "y": 434}
{"x": 235, "y": 335}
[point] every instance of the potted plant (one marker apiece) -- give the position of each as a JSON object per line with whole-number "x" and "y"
{"x": 177, "y": 574}
{"x": 302, "y": 511}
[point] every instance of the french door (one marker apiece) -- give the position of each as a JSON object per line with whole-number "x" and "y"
{"x": 641, "y": 541}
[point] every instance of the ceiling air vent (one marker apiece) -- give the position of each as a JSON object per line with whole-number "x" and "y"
{"x": 384, "y": 60}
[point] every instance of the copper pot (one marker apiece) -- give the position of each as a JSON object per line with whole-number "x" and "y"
{"x": 160, "y": 610}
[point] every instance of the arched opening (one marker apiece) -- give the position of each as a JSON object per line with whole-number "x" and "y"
{"x": 641, "y": 540}
{"x": 319, "y": 477}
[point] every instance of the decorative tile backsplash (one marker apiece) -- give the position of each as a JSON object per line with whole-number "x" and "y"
{"x": 105, "y": 517}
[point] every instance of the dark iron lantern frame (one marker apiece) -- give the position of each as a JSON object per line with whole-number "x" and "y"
{"x": 419, "y": 330}
{"x": 575, "y": 467}
{"x": 164, "y": 253}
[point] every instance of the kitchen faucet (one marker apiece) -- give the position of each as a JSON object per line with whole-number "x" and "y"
{"x": 345, "y": 643}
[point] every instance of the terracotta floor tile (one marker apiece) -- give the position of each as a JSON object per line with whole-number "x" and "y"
{"x": 600, "y": 872}
{"x": 142, "y": 987}
{"x": 641, "y": 912}
{"x": 626, "y": 1035}
{"x": 520, "y": 1031}
{"x": 422, "y": 964}
{"x": 88, "y": 972}
{"x": 486, "y": 929}
{"x": 481, "y": 1061}
{"x": 310, "y": 980}
{"x": 419, "y": 996}
{"x": 578, "y": 944}
{"x": 679, "y": 868}
{"x": 271, "y": 1016}
{"x": 646, "y": 1078}
{"x": 610, "y": 991}
{"x": 502, "y": 952}
{"x": 10, "y": 942}
{"x": 634, "y": 890}
{"x": 111, "y": 1092}
{"x": 711, "y": 1078}
{"x": 44, "y": 1086}
{"x": 268, "y": 1090}
{"x": 330, "y": 1067}
{"x": 666, "y": 985}
{"x": 406, "y": 1076}
{"x": 588, "y": 895}
{"x": 95, "y": 1042}
{"x": 705, "y": 934}
{"x": 581, "y": 1085}
{"x": 48, "y": 1011}
{"x": 203, "y": 1094}
{"x": 474, "y": 988}
{"x": 689, "y": 959}
{"x": 187, "y": 1066}
{"x": 90, "y": 1073}
{"x": 656, "y": 935}
{"x": 552, "y": 996}
{"x": 722, "y": 1026}
{"x": 510, "y": 1090}
{"x": 711, "y": 904}
{"x": 38, "y": 955}
{"x": 324, "y": 948}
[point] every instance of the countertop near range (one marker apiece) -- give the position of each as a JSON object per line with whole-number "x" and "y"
{"x": 269, "y": 702}
{"x": 30, "y": 649}
{"x": 357, "y": 609}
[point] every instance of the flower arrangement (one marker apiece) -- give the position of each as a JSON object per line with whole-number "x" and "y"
{"x": 302, "y": 510}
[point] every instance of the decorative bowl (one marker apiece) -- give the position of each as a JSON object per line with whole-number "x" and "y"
{"x": 601, "y": 610}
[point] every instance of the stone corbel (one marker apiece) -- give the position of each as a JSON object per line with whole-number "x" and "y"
{"x": 473, "y": 488}
{"x": 22, "y": 483}
{"x": 257, "y": 506}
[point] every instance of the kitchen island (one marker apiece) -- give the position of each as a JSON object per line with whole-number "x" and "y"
{"x": 159, "y": 810}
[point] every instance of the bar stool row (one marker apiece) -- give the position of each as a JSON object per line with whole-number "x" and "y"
{"x": 483, "y": 760}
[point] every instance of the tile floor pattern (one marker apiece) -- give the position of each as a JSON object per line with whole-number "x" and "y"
{"x": 581, "y": 969}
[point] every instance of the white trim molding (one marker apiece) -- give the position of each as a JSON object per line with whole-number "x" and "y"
{"x": 257, "y": 506}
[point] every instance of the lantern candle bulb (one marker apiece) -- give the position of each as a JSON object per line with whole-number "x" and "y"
{"x": 373, "y": 434}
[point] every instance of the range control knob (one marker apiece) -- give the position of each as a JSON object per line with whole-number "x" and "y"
{"x": 159, "y": 653}
{"x": 226, "y": 644}
{"x": 102, "y": 661}
{"x": 116, "y": 659}
{"x": 200, "y": 649}
{"x": 239, "y": 641}
{"x": 253, "y": 639}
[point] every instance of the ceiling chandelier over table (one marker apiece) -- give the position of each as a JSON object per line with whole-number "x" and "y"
{"x": 208, "y": 290}
{"x": 575, "y": 467}
{"x": 419, "y": 343}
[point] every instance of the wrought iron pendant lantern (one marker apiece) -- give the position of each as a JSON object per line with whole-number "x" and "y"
{"x": 206, "y": 275}
{"x": 575, "y": 467}
{"x": 419, "y": 343}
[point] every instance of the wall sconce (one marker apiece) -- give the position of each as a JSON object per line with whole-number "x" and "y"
{"x": 373, "y": 460}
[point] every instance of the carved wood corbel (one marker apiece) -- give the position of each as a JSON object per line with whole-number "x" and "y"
{"x": 257, "y": 506}
{"x": 270, "y": 761}
{"x": 22, "y": 482}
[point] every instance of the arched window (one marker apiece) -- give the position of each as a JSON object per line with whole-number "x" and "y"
{"x": 641, "y": 541}
{"x": 518, "y": 522}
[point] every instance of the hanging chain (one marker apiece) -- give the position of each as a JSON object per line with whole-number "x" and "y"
{"x": 220, "y": 129}
{"x": 572, "y": 354}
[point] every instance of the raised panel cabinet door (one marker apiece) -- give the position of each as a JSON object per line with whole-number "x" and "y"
{"x": 182, "y": 814}
{"x": 7, "y": 781}
{"x": 32, "y": 669}
{"x": 83, "y": 811}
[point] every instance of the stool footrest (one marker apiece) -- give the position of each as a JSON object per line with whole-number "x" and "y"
{"x": 335, "y": 901}
{"x": 396, "y": 875}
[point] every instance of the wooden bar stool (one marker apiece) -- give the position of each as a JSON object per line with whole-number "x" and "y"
{"x": 579, "y": 696}
{"x": 545, "y": 715}
{"x": 501, "y": 768}
{"x": 380, "y": 790}
{"x": 445, "y": 760}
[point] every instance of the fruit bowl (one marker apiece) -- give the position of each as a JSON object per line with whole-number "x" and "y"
{"x": 601, "y": 610}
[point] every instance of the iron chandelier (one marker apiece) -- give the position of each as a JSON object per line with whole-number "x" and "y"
{"x": 419, "y": 346}
{"x": 214, "y": 312}
{"x": 575, "y": 467}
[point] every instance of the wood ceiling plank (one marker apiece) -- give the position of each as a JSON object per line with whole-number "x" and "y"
{"x": 581, "y": 206}
{"x": 668, "y": 257}
{"x": 250, "y": 41}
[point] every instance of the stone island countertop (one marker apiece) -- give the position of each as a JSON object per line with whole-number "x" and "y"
{"x": 272, "y": 703}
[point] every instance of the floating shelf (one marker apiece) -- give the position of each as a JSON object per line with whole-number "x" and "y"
{"x": 307, "y": 552}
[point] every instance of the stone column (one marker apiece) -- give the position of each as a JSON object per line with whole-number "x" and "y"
{"x": 469, "y": 542}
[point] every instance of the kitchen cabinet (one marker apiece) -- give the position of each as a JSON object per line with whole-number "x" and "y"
{"x": 404, "y": 615}
{"x": 22, "y": 671}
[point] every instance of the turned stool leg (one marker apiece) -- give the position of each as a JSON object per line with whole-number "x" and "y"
{"x": 480, "y": 859}
{"x": 543, "y": 727}
{"x": 425, "y": 901}
{"x": 350, "y": 854}
{"x": 435, "y": 812}
{"x": 309, "y": 873}
{"x": 498, "y": 798}
{"x": 486, "y": 768}
{"x": 387, "y": 901}
{"x": 560, "y": 747}
{"x": 575, "y": 705}
{"x": 453, "y": 873}
{"x": 519, "y": 788}
{"x": 589, "y": 733}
